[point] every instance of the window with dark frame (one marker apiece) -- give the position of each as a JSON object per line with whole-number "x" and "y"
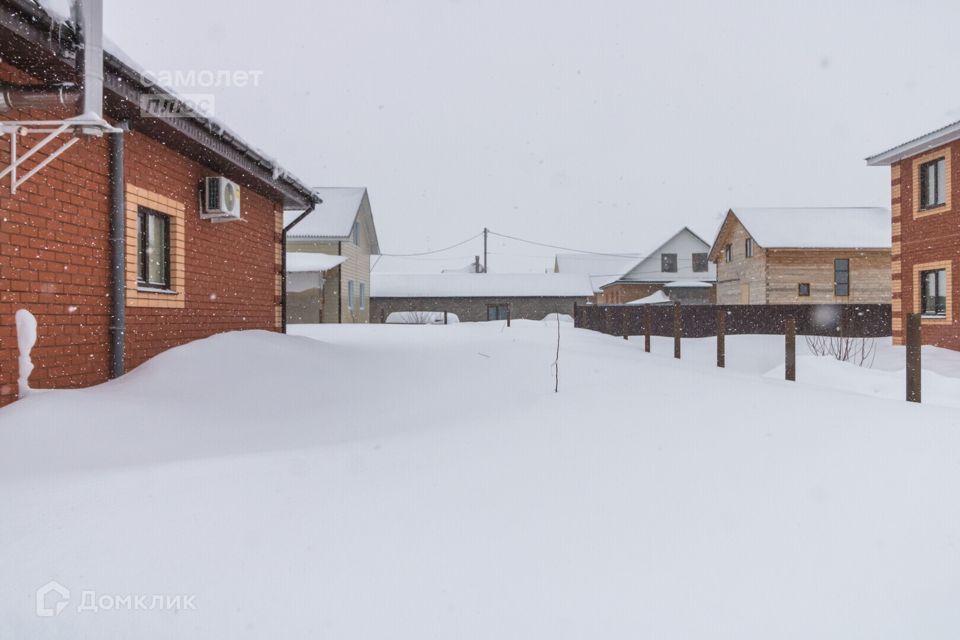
{"x": 668, "y": 262}
{"x": 933, "y": 293}
{"x": 728, "y": 253}
{"x": 841, "y": 277}
{"x": 748, "y": 247}
{"x": 498, "y": 311}
{"x": 803, "y": 289}
{"x": 701, "y": 262}
{"x": 153, "y": 249}
{"x": 933, "y": 183}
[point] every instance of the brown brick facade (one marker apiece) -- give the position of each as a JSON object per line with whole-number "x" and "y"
{"x": 55, "y": 261}
{"x": 925, "y": 240}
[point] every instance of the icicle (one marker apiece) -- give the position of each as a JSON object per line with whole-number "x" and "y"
{"x": 26, "y": 338}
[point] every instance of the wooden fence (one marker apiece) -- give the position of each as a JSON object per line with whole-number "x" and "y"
{"x": 700, "y": 321}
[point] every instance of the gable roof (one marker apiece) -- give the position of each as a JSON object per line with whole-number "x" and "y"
{"x": 480, "y": 285}
{"x": 927, "y": 141}
{"x": 654, "y": 256}
{"x": 811, "y": 227}
{"x": 601, "y": 269}
{"x": 334, "y": 217}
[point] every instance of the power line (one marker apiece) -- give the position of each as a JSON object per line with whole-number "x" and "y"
{"x": 553, "y": 246}
{"x": 427, "y": 253}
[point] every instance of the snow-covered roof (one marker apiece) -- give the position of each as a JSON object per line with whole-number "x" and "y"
{"x": 817, "y": 227}
{"x": 657, "y": 297}
{"x": 688, "y": 284}
{"x": 602, "y": 269}
{"x": 939, "y": 137}
{"x": 302, "y": 262}
{"x": 333, "y": 218}
{"x": 480, "y": 285}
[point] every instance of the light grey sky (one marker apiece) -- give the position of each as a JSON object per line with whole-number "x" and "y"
{"x": 601, "y": 125}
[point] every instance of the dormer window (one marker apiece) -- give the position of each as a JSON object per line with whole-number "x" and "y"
{"x": 933, "y": 184}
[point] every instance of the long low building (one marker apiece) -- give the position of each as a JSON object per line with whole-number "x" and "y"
{"x": 480, "y": 296}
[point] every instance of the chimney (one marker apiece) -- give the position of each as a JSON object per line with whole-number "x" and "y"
{"x": 88, "y": 14}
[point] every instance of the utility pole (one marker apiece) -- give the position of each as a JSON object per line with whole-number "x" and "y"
{"x": 485, "y": 233}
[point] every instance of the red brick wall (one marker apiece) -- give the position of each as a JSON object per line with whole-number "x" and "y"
{"x": 55, "y": 257}
{"x": 925, "y": 239}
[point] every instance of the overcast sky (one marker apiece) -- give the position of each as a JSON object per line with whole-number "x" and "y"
{"x": 601, "y": 125}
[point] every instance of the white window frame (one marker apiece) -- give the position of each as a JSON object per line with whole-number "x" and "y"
{"x": 350, "y": 295}
{"x": 363, "y": 287}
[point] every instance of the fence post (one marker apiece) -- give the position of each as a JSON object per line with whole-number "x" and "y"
{"x": 647, "y": 321}
{"x": 790, "y": 334}
{"x": 914, "y": 335}
{"x": 444, "y": 317}
{"x": 509, "y": 314}
{"x": 676, "y": 330}
{"x": 721, "y": 339}
{"x": 575, "y": 319}
{"x": 625, "y": 328}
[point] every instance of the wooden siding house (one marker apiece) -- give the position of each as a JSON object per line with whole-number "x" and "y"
{"x": 925, "y": 234}
{"x": 342, "y": 225}
{"x": 679, "y": 267}
{"x": 803, "y": 256}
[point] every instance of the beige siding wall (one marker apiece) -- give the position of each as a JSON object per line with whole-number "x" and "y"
{"x": 743, "y": 280}
{"x": 787, "y": 268}
{"x": 336, "y": 287}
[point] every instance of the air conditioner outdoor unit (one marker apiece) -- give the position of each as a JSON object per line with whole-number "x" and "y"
{"x": 221, "y": 199}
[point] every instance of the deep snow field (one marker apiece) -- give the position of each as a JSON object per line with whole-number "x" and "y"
{"x": 425, "y": 482}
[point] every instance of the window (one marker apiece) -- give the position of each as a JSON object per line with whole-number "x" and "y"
{"x": 350, "y": 294}
{"x": 668, "y": 262}
{"x": 748, "y": 247}
{"x": 153, "y": 249}
{"x": 356, "y": 233}
{"x": 728, "y": 253}
{"x": 932, "y": 183}
{"x": 933, "y": 293}
{"x": 363, "y": 292}
{"x": 803, "y": 289}
{"x": 700, "y": 262}
{"x": 841, "y": 277}
{"x": 498, "y": 311}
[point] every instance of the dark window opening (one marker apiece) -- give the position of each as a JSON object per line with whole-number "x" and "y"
{"x": 153, "y": 249}
{"x": 498, "y": 311}
{"x": 803, "y": 289}
{"x": 933, "y": 293}
{"x": 841, "y": 277}
{"x": 728, "y": 253}
{"x": 933, "y": 183}
{"x": 748, "y": 247}
{"x": 668, "y": 262}
{"x": 700, "y": 262}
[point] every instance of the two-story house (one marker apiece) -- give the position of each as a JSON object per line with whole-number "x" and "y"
{"x": 679, "y": 267}
{"x": 342, "y": 225}
{"x": 925, "y": 233}
{"x": 794, "y": 255}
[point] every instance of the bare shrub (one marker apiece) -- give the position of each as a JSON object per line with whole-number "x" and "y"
{"x": 859, "y": 351}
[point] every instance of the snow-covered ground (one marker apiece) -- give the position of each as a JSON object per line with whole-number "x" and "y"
{"x": 425, "y": 482}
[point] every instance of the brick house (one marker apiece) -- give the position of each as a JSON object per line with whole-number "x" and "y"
{"x": 341, "y": 226}
{"x": 679, "y": 267}
{"x": 138, "y": 191}
{"x": 796, "y": 255}
{"x": 925, "y": 233}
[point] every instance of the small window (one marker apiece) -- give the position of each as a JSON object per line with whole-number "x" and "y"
{"x": 356, "y": 233}
{"x": 700, "y": 262}
{"x": 803, "y": 289}
{"x": 363, "y": 296}
{"x": 498, "y": 311}
{"x": 748, "y": 247}
{"x": 153, "y": 249}
{"x": 933, "y": 293}
{"x": 841, "y": 277}
{"x": 728, "y": 253}
{"x": 350, "y": 294}
{"x": 932, "y": 183}
{"x": 668, "y": 262}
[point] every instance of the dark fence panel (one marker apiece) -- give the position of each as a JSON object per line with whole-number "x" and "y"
{"x": 700, "y": 321}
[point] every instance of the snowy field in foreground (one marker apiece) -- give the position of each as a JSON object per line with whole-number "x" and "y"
{"x": 425, "y": 482}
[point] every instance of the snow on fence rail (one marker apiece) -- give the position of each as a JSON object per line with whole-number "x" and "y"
{"x": 700, "y": 321}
